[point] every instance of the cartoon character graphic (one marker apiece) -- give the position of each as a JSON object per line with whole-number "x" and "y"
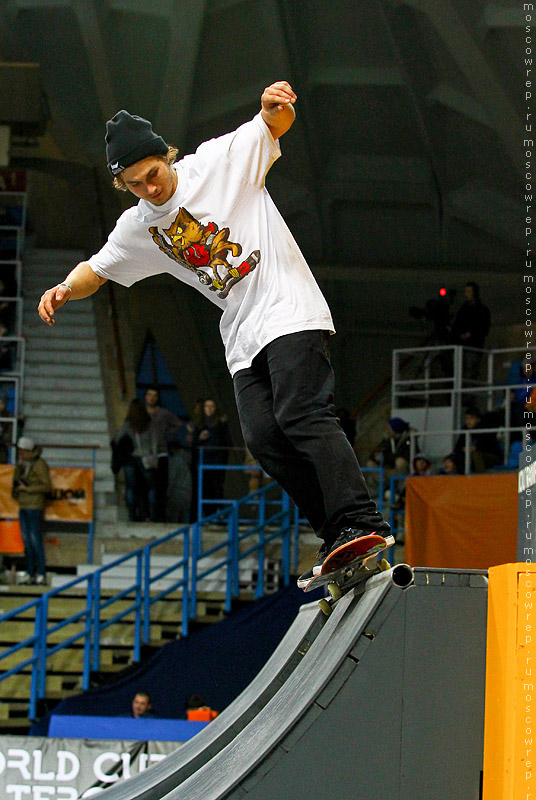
{"x": 194, "y": 245}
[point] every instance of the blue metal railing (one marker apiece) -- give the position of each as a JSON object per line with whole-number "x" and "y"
{"x": 239, "y": 544}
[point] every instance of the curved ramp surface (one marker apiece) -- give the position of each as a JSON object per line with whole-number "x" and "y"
{"x": 191, "y": 756}
{"x": 388, "y": 702}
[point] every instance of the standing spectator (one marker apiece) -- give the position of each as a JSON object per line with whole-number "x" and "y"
{"x": 213, "y": 436}
{"x": 470, "y": 328}
{"x": 168, "y": 429}
{"x": 31, "y": 484}
{"x": 485, "y": 448}
{"x": 135, "y": 450}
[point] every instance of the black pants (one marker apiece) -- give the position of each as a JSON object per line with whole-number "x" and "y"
{"x": 285, "y": 405}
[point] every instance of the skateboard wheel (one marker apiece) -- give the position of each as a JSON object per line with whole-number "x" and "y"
{"x": 325, "y": 606}
{"x": 335, "y": 591}
{"x": 384, "y": 564}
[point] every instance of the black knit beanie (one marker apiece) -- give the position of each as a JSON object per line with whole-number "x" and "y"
{"x": 130, "y": 138}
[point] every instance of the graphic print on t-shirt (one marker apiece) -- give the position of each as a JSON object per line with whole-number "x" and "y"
{"x": 194, "y": 246}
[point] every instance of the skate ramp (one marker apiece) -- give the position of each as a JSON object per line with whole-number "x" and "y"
{"x": 384, "y": 699}
{"x": 387, "y": 703}
{"x": 167, "y": 774}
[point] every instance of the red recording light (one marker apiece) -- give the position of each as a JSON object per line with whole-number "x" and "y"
{"x": 442, "y": 292}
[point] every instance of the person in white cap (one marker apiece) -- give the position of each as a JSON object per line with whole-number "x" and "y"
{"x": 31, "y": 484}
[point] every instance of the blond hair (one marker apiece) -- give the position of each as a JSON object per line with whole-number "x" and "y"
{"x": 170, "y": 157}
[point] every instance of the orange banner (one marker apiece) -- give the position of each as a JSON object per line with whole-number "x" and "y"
{"x": 71, "y": 498}
{"x": 461, "y": 521}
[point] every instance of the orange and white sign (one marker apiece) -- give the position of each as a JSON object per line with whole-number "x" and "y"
{"x": 70, "y": 500}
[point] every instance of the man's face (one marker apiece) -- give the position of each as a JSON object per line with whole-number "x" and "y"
{"x": 469, "y": 293}
{"x": 209, "y": 408}
{"x": 151, "y": 397}
{"x": 151, "y": 179}
{"x": 471, "y": 420}
{"x": 140, "y": 705}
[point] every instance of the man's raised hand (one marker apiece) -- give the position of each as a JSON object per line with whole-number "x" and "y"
{"x": 51, "y": 300}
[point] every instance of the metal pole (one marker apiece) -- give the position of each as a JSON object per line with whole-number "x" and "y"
{"x": 185, "y": 578}
{"x": 147, "y": 594}
{"x": 88, "y": 624}
{"x": 467, "y": 452}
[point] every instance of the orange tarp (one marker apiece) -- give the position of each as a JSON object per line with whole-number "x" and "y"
{"x": 461, "y": 521}
{"x": 71, "y": 497}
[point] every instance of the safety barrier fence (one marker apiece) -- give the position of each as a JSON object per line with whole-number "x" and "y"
{"x": 298, "y": 521}
{"x": 417, "y": 438}
{"x": 442, "y": 371}
{"x": 196, "y": 562}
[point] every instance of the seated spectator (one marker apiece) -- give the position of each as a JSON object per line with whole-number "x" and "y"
{"x": 524, "y": 398}
{"x": 7, "y": 310}
{"x": 6, "y": 431}
{"x": 485, "y": 448}
{"x": 6, "y": 351}
{"x": 421, "y": 465}
{"x": 395, "y": 449}
{"x": 135, "y": 450}
{"x": 142, "y": 707}
{"x": 449, "y": 466}
{"x": 198, "y": 711}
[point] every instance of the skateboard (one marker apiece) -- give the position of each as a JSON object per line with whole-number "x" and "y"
{"x": 346, "y": 568}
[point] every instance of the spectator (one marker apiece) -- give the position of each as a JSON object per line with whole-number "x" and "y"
{"x": 214, "y": 438}
{"x": 31, "y": 484}
{"x": 197, "y": 423}
{"x": 524, "y": 398}
{"x": 484, "y": 447}
{"x": 6, "y": 350}
{"x": 142, "y": 707}
{"x": 395, "y": 448}
{"x": 6, "y": 428}
{"x": 7, "y": 310}
{"x": 198, "y": 711}
{"x": 421, "y": 465}
{"x": 135, "y": 450}
{"x": 168, "y": 429}
{"x": 470, "y": 329}
{"x": 449, "y": 466}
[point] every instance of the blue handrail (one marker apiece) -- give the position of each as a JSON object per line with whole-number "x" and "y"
{"x": 192, "y": 565}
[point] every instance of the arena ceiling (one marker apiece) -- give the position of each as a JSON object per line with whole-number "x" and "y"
{"x": 407, "y": 148}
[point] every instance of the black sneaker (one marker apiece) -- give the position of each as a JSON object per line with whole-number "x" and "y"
{"x": 308, "y": 575}
{"x": 345, "y": 536}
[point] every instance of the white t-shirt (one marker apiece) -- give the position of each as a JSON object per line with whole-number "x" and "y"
{"x": 221, "y": 233}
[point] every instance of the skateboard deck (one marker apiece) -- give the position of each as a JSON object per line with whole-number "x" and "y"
{"x": 346, "y": 567}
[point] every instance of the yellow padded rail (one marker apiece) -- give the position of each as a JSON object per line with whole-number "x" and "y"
{"x": 510, "y": 720}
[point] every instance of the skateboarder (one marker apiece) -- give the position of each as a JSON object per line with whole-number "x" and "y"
{"x": 209, "y": 221}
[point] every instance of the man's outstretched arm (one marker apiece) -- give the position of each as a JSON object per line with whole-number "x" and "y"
{"x": 277, "y": 110}
{"x": 80, "y": 282}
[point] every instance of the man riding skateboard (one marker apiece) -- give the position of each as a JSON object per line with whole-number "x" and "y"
{"x": 275, "y": 322}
